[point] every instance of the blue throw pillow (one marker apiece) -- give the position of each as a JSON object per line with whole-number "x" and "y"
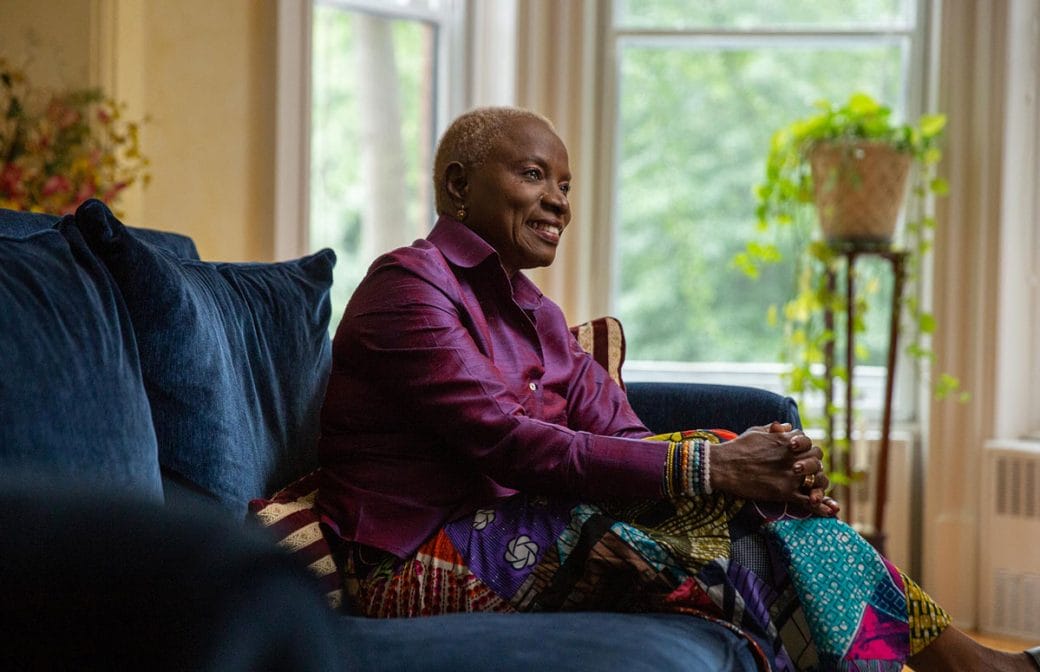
{"x": 179, "y": 245}
{"x": 72, "y": 400}
{"x": 235, "y": 358}
{"x": 18, "y": 224}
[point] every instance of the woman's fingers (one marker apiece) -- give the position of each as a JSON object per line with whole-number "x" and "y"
{"x": 778, "y": 464}
{"x": 817, "y": 481}
{"x": 808, "y": 466}
{"x": 799, "y": 442}
{"x": 772, "y": 428}
{"x": 823, "y": 505}
{"x": 775, "y": 427}
{"x": 819, "y": 504}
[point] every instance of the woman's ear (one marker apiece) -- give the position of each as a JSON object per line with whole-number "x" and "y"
{"x": 455, "y": 182}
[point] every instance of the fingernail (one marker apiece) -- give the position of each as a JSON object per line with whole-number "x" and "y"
{"x": 799, "y": 467}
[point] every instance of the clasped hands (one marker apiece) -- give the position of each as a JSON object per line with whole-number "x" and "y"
{"x": 775, "y": 463}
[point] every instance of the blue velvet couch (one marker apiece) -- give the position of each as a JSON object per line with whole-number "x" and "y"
{"x": 146, "y": 396}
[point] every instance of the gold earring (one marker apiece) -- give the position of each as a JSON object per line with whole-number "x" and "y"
{"x": 461, "y": 214}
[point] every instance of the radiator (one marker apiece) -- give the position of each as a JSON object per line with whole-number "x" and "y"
{"x": 1009, "y": 539}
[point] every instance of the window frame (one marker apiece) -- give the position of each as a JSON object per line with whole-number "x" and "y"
{"x": 293, "y": 110}
{"x": 919, "y": 69}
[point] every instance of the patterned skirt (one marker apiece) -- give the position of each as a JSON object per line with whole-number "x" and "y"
{"x": 809, "y": 593}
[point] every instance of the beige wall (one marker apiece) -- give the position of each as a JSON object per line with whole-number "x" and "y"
{"x": 203, "y": 73}
{"x": 210, "y": 94}
{"x": 50, "y": 39}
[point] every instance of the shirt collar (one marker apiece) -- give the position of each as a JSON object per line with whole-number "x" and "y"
{"x": 459, "y": 244}
{"x": 464, "y": 248}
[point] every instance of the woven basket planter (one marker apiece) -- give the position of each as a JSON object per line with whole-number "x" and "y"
{"x": 859, "y": 189}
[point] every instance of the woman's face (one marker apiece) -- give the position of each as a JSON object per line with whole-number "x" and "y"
{"x": 517, "y": 200}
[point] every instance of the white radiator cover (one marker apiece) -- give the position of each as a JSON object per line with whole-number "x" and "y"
{"x": 1009, "y": 554}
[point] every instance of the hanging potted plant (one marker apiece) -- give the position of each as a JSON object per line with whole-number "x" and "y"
{"x": 836, "y": 181}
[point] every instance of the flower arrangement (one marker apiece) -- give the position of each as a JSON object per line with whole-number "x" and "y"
{"x": 57, "y": 149}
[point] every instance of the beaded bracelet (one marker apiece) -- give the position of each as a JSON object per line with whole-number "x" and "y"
{"x": 687, "y": 469}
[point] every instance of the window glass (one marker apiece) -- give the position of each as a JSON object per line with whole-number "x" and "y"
{"x": 678, "y": 14}
{"x": 694, "y": 126}
{"x": 372, "y": 137}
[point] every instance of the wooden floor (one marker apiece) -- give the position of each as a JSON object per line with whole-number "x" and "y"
{"x": 1003, "y": 643}
{"x": 998, "y": 642}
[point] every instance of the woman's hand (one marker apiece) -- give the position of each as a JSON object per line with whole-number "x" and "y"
{"x": 774, "y": 463}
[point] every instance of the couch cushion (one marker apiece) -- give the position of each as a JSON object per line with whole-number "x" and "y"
{"x": 19, "y": 224}
{"x": 235, "y": 357}
{"x": 72, "y": 399}
{"x": 180, "y": 245}
{"x": 562, "y": 642}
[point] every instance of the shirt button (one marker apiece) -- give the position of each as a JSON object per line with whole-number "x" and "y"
{"x": 533, "y": 386}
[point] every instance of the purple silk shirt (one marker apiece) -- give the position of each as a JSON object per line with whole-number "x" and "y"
{"x": 453, "y": 387}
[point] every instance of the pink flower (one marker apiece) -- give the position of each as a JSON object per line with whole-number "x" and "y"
{"x": 55, "y": 184}
{"x": 86, "y": 190}
{"x": 62, "y": 115}
{"x": 11, "y": 180}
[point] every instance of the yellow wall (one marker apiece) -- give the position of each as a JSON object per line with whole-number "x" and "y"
{"x": 210, "y": 94}
{"x": 203, "y": 73}
{"x": 50, "y": 39}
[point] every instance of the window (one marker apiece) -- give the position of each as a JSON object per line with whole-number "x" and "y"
{"x": 700, "y": 87}
{"x": 378, "y": 77}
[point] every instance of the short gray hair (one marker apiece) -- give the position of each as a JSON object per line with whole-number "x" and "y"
{"x": 469, "y": 140}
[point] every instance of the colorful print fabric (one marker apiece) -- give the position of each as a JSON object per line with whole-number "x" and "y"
{"x": 809, "y": 593}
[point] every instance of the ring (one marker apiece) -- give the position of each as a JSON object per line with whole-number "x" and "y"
{"x": 809, "y": 481}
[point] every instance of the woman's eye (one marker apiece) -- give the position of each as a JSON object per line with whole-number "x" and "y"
{"x": 565, "y": 188}
{"x": 533, "y": 173}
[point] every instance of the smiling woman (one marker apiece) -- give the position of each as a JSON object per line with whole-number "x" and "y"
{"x": 515, "y": 197}
{"x": 474, "y": 458}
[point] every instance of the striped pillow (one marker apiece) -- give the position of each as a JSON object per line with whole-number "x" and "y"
{"x": 290, "y": 515}
{"x": 604, "y": 339}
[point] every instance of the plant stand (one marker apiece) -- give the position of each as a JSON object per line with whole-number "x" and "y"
{"x": 841, "y": 463}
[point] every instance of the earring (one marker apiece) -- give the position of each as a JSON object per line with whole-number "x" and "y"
{"x": 461, "y": 214}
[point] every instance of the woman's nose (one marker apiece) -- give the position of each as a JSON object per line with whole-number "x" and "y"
{"x": 556, "y": 200}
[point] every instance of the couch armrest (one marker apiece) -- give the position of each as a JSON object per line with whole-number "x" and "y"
{"x": 667, "y": 407}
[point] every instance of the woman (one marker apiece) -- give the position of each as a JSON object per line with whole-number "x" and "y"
{"x": 475, "y": 459}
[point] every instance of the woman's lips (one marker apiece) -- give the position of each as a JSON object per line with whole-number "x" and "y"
{"x": 550, "y": 232}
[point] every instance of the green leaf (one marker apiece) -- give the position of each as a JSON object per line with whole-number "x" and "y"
{"x": 932, "y": 125}
{"x": 946, "y": 385}
{"x": 742, "y": 262}
{"x": 862, "y": 104}
{"x": 772, "y": 315}
{"x": 918, "y": 352}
